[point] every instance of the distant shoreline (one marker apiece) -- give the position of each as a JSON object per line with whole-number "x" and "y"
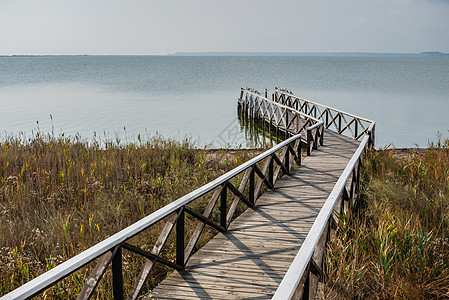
{"x": 270, "y": 54}
{"x": 333, "y": 54}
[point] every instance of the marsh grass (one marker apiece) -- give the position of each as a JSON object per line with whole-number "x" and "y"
{"x": 61, "y": 195}
{"x": 397, "y": 246}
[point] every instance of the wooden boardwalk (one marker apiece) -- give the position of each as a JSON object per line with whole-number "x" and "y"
{"x": 250, "y": 259}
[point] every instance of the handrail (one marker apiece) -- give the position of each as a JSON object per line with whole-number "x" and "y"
{"x": 325, "y": 106}
{"x": 303, "y": 264}
{"x": 297, "y": 281}
{"x": 307, "y": 116}
{"x": 334, "y": 119}
{"x": 252, "y": 103}
{"x": 178, "y": 206}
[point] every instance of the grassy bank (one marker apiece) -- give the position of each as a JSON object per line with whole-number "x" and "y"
{"x": 59, "y": 196}
{"x": 397, "y": 245}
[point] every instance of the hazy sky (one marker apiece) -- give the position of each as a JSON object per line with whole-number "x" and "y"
{"x": 163, "y": 27}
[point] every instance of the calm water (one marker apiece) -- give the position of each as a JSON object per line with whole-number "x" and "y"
{"x": 177, "y": 97}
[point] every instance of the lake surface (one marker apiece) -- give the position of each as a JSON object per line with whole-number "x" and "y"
{"x": 120, "y": 97}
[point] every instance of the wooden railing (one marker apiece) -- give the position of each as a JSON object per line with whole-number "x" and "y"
{"x": 301, "y": 279}
{"x": 282, "y": 117}
{"x": 307, "y": 269}
{"x": 284, "y": 112}
{"x": 225, "y": 197}
{"x": 334, "y": 119}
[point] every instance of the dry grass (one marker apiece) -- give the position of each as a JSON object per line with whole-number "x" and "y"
{"x": 59, "y": 196}
{"x": 397, "y": 247}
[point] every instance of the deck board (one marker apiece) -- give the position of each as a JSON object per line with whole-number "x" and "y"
{"x": 250, "y": 259}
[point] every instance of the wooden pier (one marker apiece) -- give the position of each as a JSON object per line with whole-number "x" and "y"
{"x": 275, "y": 248}
{"x": 251, "y": 258}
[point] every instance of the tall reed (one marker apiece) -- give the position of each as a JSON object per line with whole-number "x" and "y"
{"x": 61, "y": 195}
{"x": 397, "y": 246}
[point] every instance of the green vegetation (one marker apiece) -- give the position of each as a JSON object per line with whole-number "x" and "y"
{"x": 397, "y": 245}
{"x": 61, "y": 195}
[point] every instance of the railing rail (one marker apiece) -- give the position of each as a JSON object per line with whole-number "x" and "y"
{"x": 110, "y": 250}
{"x": 334, "y": 119}
{"x": 282, "y": 117}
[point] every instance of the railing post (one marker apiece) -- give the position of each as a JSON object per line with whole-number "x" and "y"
{"x": 245, "y": 106}
{"x": 356, "y": 129}
{"x": 287, "y": 159}
{"x": 309, "y": 140}
{"x": 251, "y": 105}
{"x": 180, "y": 238}
{"x": 339, "y": 122}
{"x": 306, "y": 291}
{"x": 322, "y": 135}
{"x": 327, "y": 117}
{"x": 270, "y": 171}
{"x": 357, "y": 183}
{"x": 352, "y": 186}
{"x": 117, "y": 274}
{"x": 223, "y": 203}
{"x": 297, "y": 124}
{"x": 298, "y": 152}
{"x": 251, "y": 186}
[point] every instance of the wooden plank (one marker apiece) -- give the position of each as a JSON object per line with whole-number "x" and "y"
{"x": 251, "y": 258}
{"x": 242, "y": 239}
{"x": 95, "y": 276}
{"x": 149, "y": 264}
{"x": 247, "y": 267}
{"x": 242, "y": 273}
{"x": 272, "y": 253}
{"x": 221, "y": 283}
{"x": 183, "y": 293}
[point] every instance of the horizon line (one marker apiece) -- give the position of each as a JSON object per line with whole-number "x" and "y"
{"x": 247, "y": 53}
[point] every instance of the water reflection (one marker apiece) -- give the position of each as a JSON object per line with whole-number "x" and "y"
{"x": 259, "y": 134}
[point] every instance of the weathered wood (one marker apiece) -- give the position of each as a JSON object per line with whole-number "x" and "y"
{"x": 200, "y": 226}
{"x": 149, "y": 264}
{"x": 95, "y": 276}
{"x": 117, "y": 274}
{"x": 263, "y": 179}
{"x": 256, "y": 248}
{"x": 290, "y": 285}
{"x": 180, "y": 227}
{"x": 256, "y": 251}
{"x": 150, "y": 256}
{"x": 236, "y": 200}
